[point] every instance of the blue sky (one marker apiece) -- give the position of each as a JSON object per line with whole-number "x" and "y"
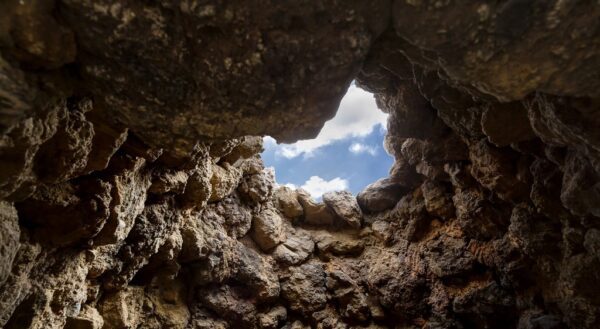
{"x": 347, "y": 154}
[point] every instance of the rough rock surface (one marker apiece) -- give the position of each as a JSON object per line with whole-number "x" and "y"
{"x": 132, "y": 194}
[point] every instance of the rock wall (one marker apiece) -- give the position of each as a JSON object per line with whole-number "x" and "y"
{"x": 132, "y": 194}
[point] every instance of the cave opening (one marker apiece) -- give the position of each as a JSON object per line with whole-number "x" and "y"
{"x": 348, "y": 153}
{"x": 135, "y": 193}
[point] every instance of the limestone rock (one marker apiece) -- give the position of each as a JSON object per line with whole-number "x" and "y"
{"x": 232, "y": 214}
{"x": 497, "y": 171}
{"x": 252, "y": 72}
{"x": 198, "y": 187}
{"x": 166, "y": 182}
{"x": 61, "y": 217}
{"x": 248, "y": 147}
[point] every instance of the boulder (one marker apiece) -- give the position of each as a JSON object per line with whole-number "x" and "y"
{"x": 295, "y": 249}
{"x": 286, "y": 200}
{"x": 380, "y": 196}
{"x": 344, "y": 205}
{"x": 315, "y": 213}
{"x": 267, "y": 229}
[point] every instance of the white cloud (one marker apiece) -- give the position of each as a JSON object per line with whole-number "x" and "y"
{"x": 357, "y": 116}
{"x": 290, "y": 185}
{"x": 358, "y": 148}
{"x": 317, "y": 186}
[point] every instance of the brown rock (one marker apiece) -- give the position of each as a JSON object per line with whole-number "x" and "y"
{"x": 272, "y": 318}
{"x": 223, "y": 181}
{"x": 267, "y": 229}
{"x": 438, "y": 200}
{"x": 506, "y": 123}
{"x": 338, "y": 245}
{"x": 497, "y": 171}
{"x": 9, "y": 238}
{"x": 227, "y": 302}
{"x": 287, "y": 202}
{"x": 123, "y": 309}
{"x": 344, "y": 205}
{"x": 315, "y": 213}
{"x": 381, "y": 195}
{"x": 129, "y": 194}
{"x": 88, "y": 318}
{"x": 258, "y": 188}
{"x": 305, "y": 289}
{"x": 295, "y": 249}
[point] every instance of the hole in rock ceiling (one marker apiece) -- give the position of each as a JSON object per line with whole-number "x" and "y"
{"x": 347, "y": 154}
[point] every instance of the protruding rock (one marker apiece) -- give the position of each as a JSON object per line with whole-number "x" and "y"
{"x": 169, "y": 182}
{"x": 345, "y": 207}
{"x": 305, "y": 289}
{"x": 70, "y": 214}
{"x": 329, "y": 245}
{"x": 123, "y": 309}
{"x": 88, "y": 318}
{"x": 248, "y": 146}
{"x": 315, "y": 213}
{"x": 9, "y": 238}
{"x": 380, "y": 196}
{"x": 198, "y": 187}
{"x": 230, "y": 304}
{"x": 232, "y": 214}
{"x": 497, "y": 171}
{"x": 258, "y": 188}
{"x": 438, "y": 200}
{"x": 129, "y": 194}
{"x": 295, "y": 249}
{"x": 267, "y": 229}
{"x": 580, "y": 187}
{"x": 66, "y": 153}
{"x": 223, "y": 181}
{"x": 272, "y": 318}
{"x": 404, "y": 174}
{"x": 256, "y": 272}
{"x": 286, "y": 200}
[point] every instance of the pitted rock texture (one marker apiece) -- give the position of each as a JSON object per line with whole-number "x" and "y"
{"x": 132, "y": 193}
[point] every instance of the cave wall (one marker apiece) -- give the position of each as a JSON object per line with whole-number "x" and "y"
{"x": 132, "y": 194}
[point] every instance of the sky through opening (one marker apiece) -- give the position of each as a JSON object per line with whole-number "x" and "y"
{"x": 347, "y": 154}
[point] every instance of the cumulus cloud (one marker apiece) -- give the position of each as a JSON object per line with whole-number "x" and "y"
{"x": 358, "y": 148}
{"x": 357, "y": 116}
{"x": 317, "y": 186}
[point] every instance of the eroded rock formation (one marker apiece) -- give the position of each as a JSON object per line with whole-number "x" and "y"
{"x": 132, "y": 194}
